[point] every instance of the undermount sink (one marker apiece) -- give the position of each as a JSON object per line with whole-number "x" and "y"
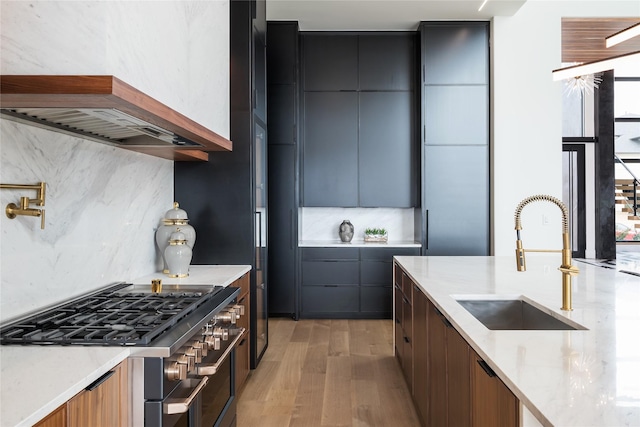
{"x": 513, "y": 314}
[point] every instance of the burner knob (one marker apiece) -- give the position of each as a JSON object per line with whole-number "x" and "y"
{"x": 222, "y": 333}
{"x": 239, "y": 309}
{"x": 212, "y": 342}
{"x": 226, "y": 316}
{"x": 201, "y": 346}
{"x": 194, "y": 353}
{"x": 176, "y": 371}
{"x": 187, "y": 361}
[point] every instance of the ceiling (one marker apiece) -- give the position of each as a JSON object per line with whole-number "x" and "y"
{"x": 583, "y": 39}
{"x": 382, "y": 15}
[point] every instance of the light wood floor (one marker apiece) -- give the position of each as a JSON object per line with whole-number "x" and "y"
{"x": 327, "y": 373}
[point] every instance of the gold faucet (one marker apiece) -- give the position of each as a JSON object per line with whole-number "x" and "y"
{"x": 566, "y": 268}
{"x": 14, "y": 210}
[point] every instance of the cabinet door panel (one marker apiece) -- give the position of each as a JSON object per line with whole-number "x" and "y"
{"x": 330, "y": 156}
{"x": 492, "y": 403}
{"x": 330, "y": 299}
{"x": 451, "y": 230}
{"x": 281, "y": 114}
{"x": 242, "y": 361}
{"x": 330, "y": 254}
{"x": 457, "y": 115}
{"x": 57, "y": 418}
{"x": 386, "y": 168}
{"x": 99, "y": 406}
{"x": 420, "y": 354}
{"x": 330, "y": 62}
{"x": 375, "y": 273}
{"x": 283, "y": 229}
{"x": 330, "y": 273}
{"x": 387, "y": 61}
{"x": 455, "y": 53}
{"x": 458, "y": 381}
{"x": 386, "y": 254}
{"x": 376, "y": 299}
{"x": 282, "y": 61}
{"x": 397, "y": 320}
{"x": 437, "y": 368}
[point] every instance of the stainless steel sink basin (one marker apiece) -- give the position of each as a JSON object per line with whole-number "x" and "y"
{"x": 514, "y": 314}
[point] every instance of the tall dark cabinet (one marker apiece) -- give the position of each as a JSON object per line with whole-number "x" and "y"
{"x": 358, "y": 103}
{"x": 227, "y": 197}
{"x": 454, "y": 219}
{"x": 282, "y": 113}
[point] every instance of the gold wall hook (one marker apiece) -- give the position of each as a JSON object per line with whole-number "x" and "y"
{"x": 14, "y": 210}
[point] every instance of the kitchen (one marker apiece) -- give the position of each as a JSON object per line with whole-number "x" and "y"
{"x": 100, "y": 227}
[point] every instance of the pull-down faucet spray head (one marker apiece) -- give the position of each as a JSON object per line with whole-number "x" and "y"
{"x": 566, "y": 268}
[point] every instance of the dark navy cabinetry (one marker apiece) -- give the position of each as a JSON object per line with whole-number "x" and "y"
{"x": 359, "y": 106}
{"x": 226, "y": 197}
{"x": 455, "y": 149}
{"x": 348, "y": 282}
{"x": 282, "y": 113}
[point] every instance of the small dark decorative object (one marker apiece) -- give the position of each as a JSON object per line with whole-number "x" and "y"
{"x": 346, "y": 231}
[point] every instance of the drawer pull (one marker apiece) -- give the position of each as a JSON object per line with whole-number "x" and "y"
{"x": 213, "y": 368}
{"x": 180, "y": 406}
{"x": 486, "y": 368}
{"x": 99, "y": 381}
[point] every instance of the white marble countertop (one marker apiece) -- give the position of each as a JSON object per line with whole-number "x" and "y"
{"x": 217, "y": 275}
{"x": 357, "y": 243}
{"x": 35, "y": 380}
{"x": 564, "y": 378}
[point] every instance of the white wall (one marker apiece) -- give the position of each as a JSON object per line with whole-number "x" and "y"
{"x": 527, "y": 116}
{"x": 103, "y": 204}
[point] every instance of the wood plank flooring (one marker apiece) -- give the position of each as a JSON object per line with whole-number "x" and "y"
{"x": 330, "y": 373}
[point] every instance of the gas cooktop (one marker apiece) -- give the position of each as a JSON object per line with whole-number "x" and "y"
{"x": 123, "y": 314}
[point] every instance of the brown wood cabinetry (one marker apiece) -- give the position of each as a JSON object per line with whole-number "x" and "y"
{"x": 104, "y": 403}
{"x": 458, "y": 380}
{"x": 420, "y": 353}
{"x": 57, "y": 418}
{"x": 403, "y": 318}
{"x": 492, "y": 403}
{"x": 243, "y": 348}
{"x": 450, "y": 384}
{"x": 437, "y": 361}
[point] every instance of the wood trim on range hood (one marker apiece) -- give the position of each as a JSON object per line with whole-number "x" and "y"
{"x": 107, "y": 110}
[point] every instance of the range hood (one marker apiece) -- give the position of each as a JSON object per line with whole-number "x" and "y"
{"x": 107, "y": 110}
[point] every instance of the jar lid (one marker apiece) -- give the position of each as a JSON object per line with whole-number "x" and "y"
{"x": 176, "y": 214}
{"x": 177, "y": 236}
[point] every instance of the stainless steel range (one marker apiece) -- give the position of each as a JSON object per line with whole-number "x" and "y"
{"x": 182, "y": 339}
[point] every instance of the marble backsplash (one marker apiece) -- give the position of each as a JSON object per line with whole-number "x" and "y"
{"x": 321, "y": 224}
{"x": 103, "y": 205}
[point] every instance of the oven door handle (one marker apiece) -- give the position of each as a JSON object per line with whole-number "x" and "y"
{"x": 213, "y": 368}
{"x": 180, "y": 406}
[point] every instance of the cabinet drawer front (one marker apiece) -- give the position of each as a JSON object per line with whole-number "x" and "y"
{"x": 376, "y": 273}
{"x": 387, "y": 254}
{"x": 330, "y": 273}
{"x": 330, "y": 299}
{"x": 376, "y": 299}
{"x": 330, "y": 254}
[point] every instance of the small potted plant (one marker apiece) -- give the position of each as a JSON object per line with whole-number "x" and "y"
{"x": 375, "y": 235}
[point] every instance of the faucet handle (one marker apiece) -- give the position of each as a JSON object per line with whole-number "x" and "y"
{"x": 41, "y": 219}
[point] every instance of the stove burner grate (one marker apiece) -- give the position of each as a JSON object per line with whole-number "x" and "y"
{"x": 108, "y": 317}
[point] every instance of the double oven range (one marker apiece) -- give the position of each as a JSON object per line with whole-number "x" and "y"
{"x": 182, "y": 340}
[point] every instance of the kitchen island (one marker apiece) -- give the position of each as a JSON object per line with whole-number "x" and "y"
{"x": 37, "y": 379}
{"x": 586, "y": 377}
